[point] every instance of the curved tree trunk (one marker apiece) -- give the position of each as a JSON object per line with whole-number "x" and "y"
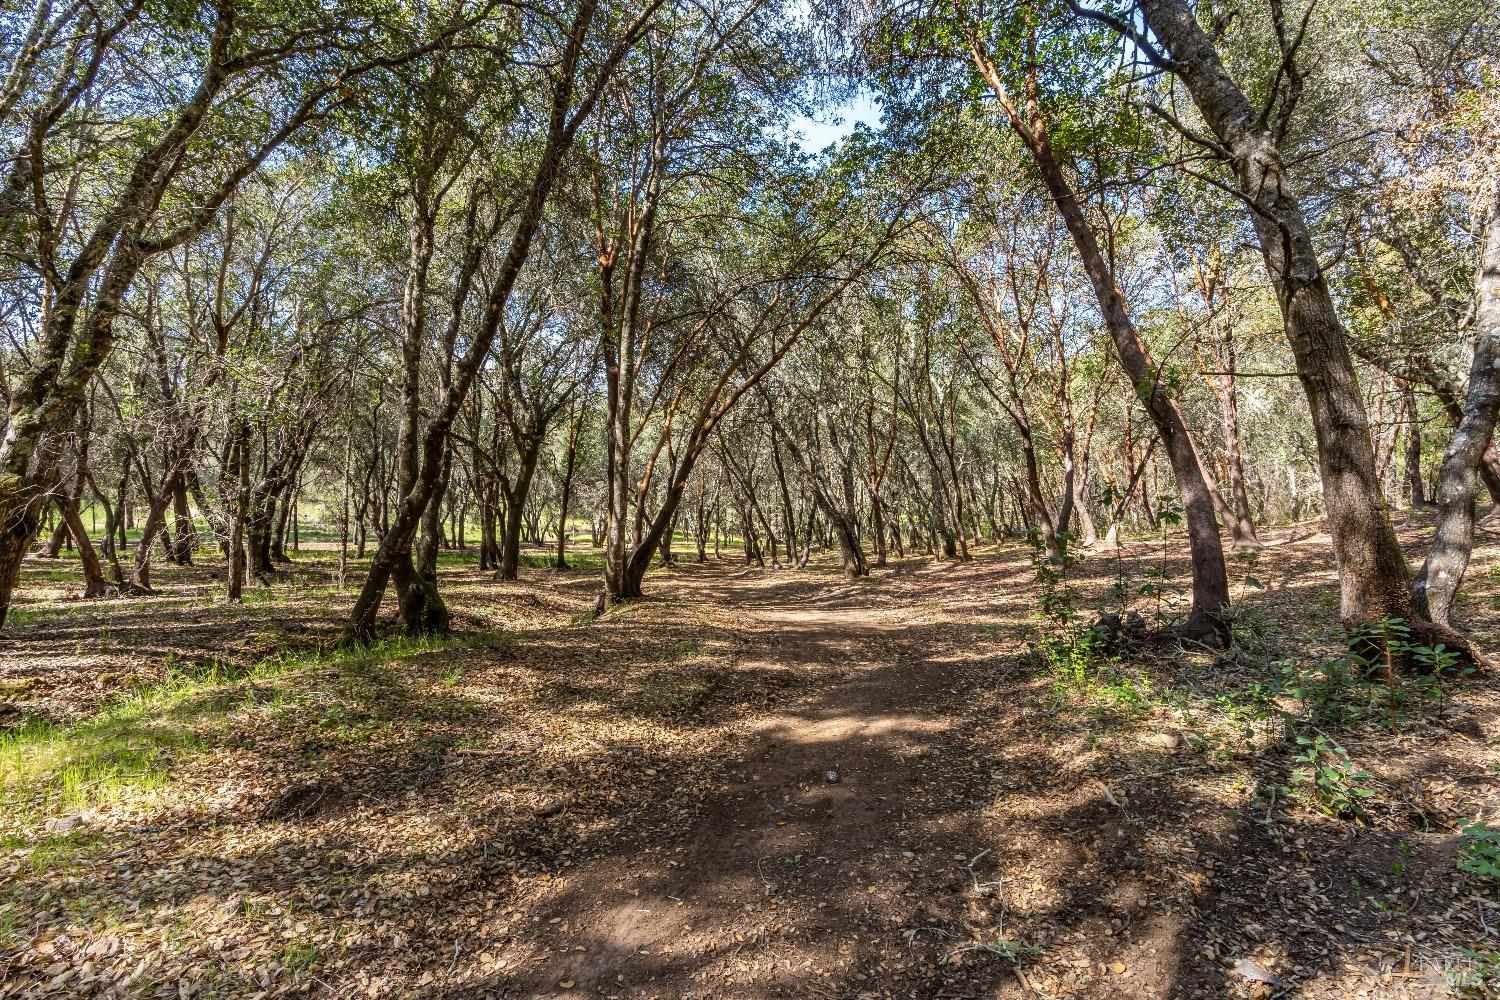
{"x": 1448, "y": 557}
{"x": 1374, "y": 580}
{"x": 1210, "y": 578}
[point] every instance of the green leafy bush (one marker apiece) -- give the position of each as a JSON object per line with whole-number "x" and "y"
{"x": 1481, "y": 850}
{"x": 1333, "y": 782}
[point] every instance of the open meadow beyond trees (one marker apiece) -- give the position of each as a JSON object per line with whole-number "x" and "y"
{"x": 695, "y": 499}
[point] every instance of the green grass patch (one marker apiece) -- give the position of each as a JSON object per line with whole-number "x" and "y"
{"x": 24, "y": 616}
{"x": 130, "y": 746}
{"x": 126, "y": 748}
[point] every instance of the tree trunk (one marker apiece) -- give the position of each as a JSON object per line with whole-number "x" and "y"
{"x": 156, "y": 521}
{"x": 1416, "y": 485}
{"x": 1373, "y": 575}
{"x": 515, "y": 512}
{"x": 566, "y": 492}
{"x": 187, "y": 533}
{"x": 1448, "y": 556}
{"x": 1085, "y": 511}
{"x": 848, "y": 538}
{"x": 94, "y": 585}
{"x": 237, "y": 559}
{"x": 260, "y": 525}
{"x": 286, "y": 519}
{"x": 16, "y": 535}
{"x": 1242, "y": 527}
{"x": 54, "y": 545}
{"x": 1210, "y": 579}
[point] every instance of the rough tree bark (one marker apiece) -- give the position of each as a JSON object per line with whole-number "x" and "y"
{"x": 1448, "y": 556}
{"x": 1374, "y": 579}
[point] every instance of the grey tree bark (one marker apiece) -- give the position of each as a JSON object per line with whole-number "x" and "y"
{"x": 1448, "y": 557}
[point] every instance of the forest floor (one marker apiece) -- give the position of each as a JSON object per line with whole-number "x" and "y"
{"x": 754, "y": 783}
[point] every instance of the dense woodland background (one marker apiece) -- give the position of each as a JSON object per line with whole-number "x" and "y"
{"x": 421, "y": 273}
{"x": 410, "y": 291}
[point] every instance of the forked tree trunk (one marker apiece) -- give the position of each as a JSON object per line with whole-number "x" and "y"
{"x": 844, "y": 532}
{"x": 155, "y": 524}
{"x": 287, "y": 519}
{"x": 259, "y": 527}
{"x": 1090, "y": 529}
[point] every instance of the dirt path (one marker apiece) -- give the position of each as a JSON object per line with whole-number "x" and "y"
{"x": 835, "y": 849}
{"x": 640, "y": 807}
{"x": 967, "y": 824}
{"x": 813, "y": 835}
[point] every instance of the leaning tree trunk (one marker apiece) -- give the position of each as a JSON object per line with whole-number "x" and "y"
{"x": 1374, "y": 580}
{"x": 426, "y": 554}
{"x": 287, "y": 505}
{"x": 260, "y": 524}
{"x": 59, "y": 537}
{"x": 1210, "y": 577}
{"x": 1089, "y": 528}
{"x": 1448, "y": 556}
{"x": 94, "y": 585}
{"x": 155, "y": 524}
